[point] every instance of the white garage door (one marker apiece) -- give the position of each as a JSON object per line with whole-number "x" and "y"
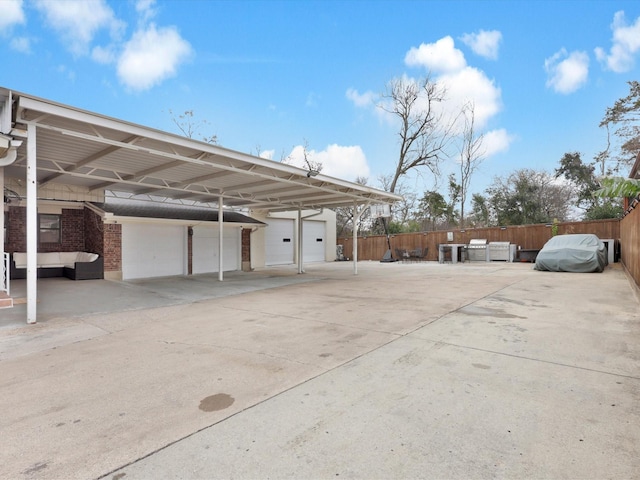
{"x": 313, "y": 247}
{"x": 205, "y": 249}
{"x": 152, "y": 250}
{"x": 279, "y": 241}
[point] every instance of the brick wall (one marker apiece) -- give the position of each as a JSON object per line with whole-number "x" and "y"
{"x": 16, "y": 240}
{"x": 72, "y": 224}
{"x": 112, "y": 247}
{"x": 93, "y": 233}
{"x": 246, "y": 244}
{"x": 72, "y": 233}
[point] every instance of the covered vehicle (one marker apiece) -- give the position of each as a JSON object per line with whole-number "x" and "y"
{"x": 581, "y": 253}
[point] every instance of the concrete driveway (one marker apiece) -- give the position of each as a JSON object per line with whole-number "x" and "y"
{"x": 406, "y": 370}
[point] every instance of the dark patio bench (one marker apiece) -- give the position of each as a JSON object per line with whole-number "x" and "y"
{"x": 72, "y": 265}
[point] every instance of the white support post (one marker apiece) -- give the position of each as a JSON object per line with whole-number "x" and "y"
{"x": 356, "y": 217}
{"x": 32, "y": 226}
{"x": 357, "y": 213}
{"x": 299, "y": 242}
{"x": 220, "y": 237}
{"x": 2, "y": 239}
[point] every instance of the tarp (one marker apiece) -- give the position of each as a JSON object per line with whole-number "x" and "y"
{"x": 580, "y": 253}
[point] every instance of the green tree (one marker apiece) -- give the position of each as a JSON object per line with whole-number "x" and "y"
{"x": 480, "y": 211}
{"x": 432, "y": 209}
{"x": 583, "y": 180}
{"x": 613, "y": 190}
{"x": 527, "y": 197}
{"x": 581, "y": 176}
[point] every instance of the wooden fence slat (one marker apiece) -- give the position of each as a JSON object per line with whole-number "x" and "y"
{"x": 525, "y": 236}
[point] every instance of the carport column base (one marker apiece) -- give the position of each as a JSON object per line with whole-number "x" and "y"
{"x": 246, "y": 267}
{"x": 116, "y": 275}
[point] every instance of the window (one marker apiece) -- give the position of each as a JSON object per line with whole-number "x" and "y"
{"x": 49, "y": 228}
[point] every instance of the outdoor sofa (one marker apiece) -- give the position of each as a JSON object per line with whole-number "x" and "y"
{"x": 73, "y": 265}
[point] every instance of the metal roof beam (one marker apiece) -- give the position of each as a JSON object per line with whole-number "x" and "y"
{"x": 91, "y": 158}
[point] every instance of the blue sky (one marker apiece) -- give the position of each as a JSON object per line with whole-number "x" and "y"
{"x": 269, "y": 76}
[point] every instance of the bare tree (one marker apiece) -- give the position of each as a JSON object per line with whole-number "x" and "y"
{"x": 307, "y": 157}
{"x": 404, "y": 210}
{"x": 424, "y": 135}
{"x": 471, "y": 155}
{"x": 190, "y": 127}
{"x": 344, "y": 217}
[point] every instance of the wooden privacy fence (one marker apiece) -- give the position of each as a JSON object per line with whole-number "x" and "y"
{"x": 630, "y": 243}
{"x": 525, "y": 236}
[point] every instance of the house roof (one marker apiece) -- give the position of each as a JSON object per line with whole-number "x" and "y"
{"x": 95, "y": 152}
{"x": 173, "y": 212}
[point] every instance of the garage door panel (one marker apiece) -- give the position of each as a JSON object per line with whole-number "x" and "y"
{"x": 152, "y": 250}
{"x": 313, "y": 248}
{"x": 206, "y": 246}
{"x": 279, "y": 241}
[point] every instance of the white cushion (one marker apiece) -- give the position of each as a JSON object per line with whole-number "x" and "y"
{"x": 55, "y": 259}
{"x": 86, "y": 257}
{"x": 68, "y": 259}
{"x": 49, "y": 259}
{"x": 20, "y": 259}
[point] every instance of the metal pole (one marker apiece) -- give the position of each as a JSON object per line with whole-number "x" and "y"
{"x": 32, "y": 226}
{"x": 356, "y": 217}
{"x": 220, "y": 236}
{"x": 300, "y": 242}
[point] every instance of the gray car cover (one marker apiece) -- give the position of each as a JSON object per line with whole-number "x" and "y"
{"x": 581, "y": 253}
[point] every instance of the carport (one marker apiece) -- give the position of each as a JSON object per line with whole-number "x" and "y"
{"x": 47, "y": 142}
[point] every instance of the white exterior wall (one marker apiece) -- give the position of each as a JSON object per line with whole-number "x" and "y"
{"x": 258, "y": 254}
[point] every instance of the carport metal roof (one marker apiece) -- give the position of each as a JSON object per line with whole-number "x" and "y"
{"x": 47, "y": 142}
{"x": 92, "y": 151}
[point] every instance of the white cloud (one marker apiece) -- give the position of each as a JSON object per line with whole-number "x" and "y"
{"x": 152, "y": 55}
{"x": 21, "y": 44}
{"x": 472, "y": 85}
{"x": 484, "y": 43}
{"x": 626, "y": 43}
{"x": 268, "y": 154}
{"x": 77, "y": 22}
{"x": 337, "y": 161}
{"x": 66, "y": 72}
{"x": 11, "y": 13}
{"x": 438, "y": 57}
{"x": 361, "y": 100}
{"x": 105, "y": 55}
{"x": 567, "y": 72}
{"x": 463, "y": 84}
{"x": 496, "y": 141}
{"x": 146, "y": 10}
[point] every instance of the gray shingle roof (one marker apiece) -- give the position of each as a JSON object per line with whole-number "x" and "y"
{"x": 174, "y": 212}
